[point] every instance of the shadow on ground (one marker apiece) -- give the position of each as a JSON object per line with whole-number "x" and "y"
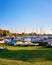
{"x": 27, "y": 55}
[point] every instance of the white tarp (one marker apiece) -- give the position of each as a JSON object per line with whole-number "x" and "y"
{"x": 2, "y": 41}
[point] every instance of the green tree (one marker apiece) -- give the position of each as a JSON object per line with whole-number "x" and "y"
{"x": 1, "y": 32}
{"x": 4, "y": 33}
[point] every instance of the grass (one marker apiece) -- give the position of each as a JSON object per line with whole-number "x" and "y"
{"x": 35, "y": 55}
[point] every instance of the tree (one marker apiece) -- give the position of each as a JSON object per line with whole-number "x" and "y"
{"x": 6, "y": 33}
{"x": 1, "y": 32}
{"x": 24, "y": 34}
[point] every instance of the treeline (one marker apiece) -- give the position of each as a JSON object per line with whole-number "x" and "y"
{"x": 8, "y": 33}
{"x": 23, "y": 34}
{"x": 4, "y": 32}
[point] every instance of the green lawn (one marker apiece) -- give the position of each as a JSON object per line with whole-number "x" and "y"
{"x": 35, "y": 55}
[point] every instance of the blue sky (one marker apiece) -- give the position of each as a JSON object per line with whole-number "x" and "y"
{"x": 17, "y": 15}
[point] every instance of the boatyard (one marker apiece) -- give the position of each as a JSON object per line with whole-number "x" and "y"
{"x": 25, "y": 32}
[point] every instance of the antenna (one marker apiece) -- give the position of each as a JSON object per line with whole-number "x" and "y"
{"x": 36, "y": 30}
{"x": 24, "y": 30}
{"x": 40, "y": 30}
{"x": 51, "y": 30}
{"x": 32, "y": 30}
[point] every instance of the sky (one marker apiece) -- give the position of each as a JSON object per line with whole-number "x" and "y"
{"x": 26, "y": 15}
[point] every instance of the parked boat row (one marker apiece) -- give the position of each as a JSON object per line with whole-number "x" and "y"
{"x": 27, "y": 41}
